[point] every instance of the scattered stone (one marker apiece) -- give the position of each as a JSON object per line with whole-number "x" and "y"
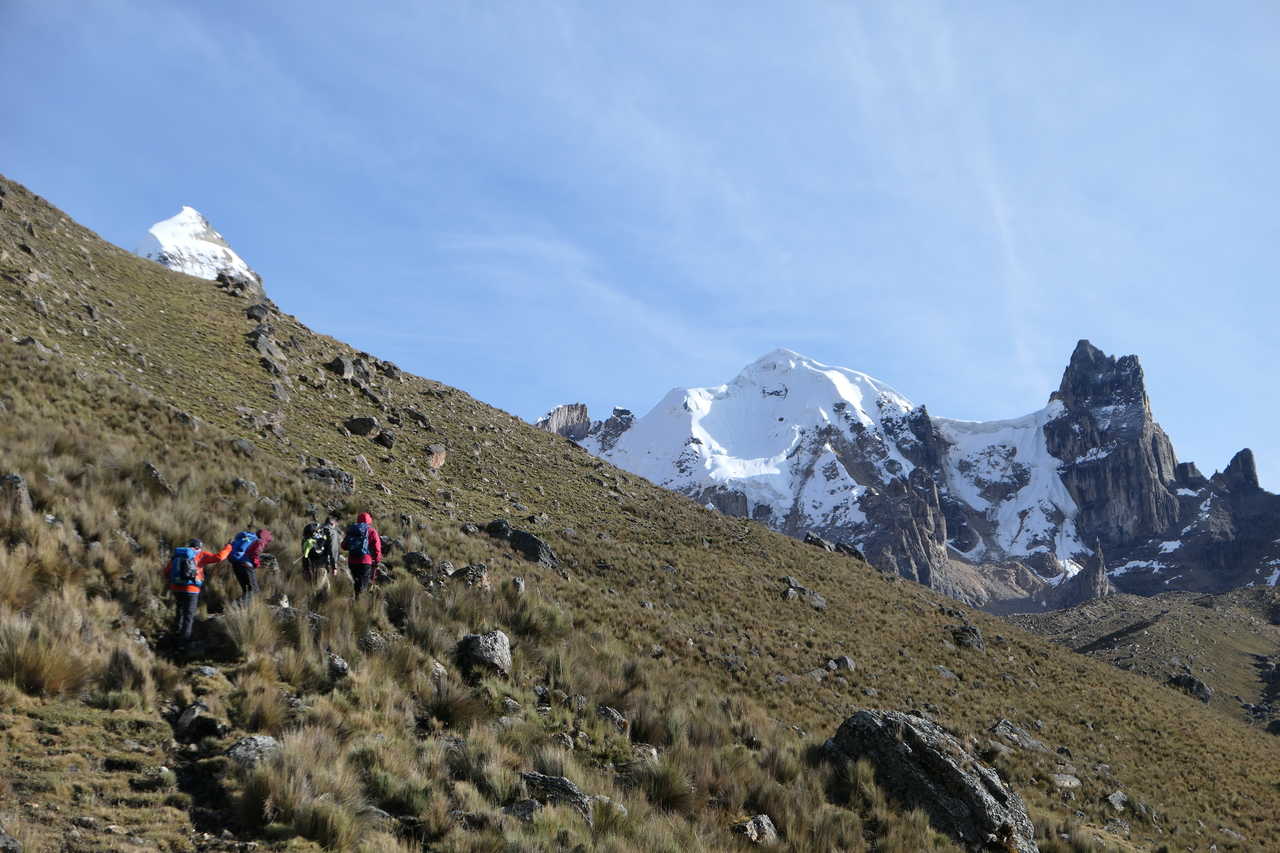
{"x": 362, "y": 425}
{"x": 436, "y": 456}
{"x": 516, "y": 585}
{"x": 416, "y": 561}
{"x": 1017, "y": 736}
{"x": 334, "y": 478}
{"x": 244, "y": 447}
{"x": 251, "y": 751}
{"x": 796, "y": 591}
{"x": 843, "y": 663}
{"x": 1195, "y": 687}
{"x": 258, "y": 312}
{"x": 156, "y": 481}
{"x": 475, "y": 575}
{"x": 195, "y": 723}
{"x": 15, "y": 497}
{"x": 372, "y": 642}
{"x": 759, "y": 830}
{"x": 249, "y": 487}
{"x": 967, "y": 637}
{"x": 205, "y": 671}
{"x": 811, "y": 538}
{"x": 1065, "y": 781}
{"x": 921, "y": 765}
{"x": 491, "y": 651}
{"x": 1117, "y": 800}
{"x": 385, "y": 438}
{"x": 557, "y": 790}
{"x": 946, "y": 673}
{"x": 613, "y": 718}
{"x": 533, "y": 548}
{"x": 39, "y": 348}
{"x": 342, "y": 366}
{"x": 499, "y": 528}
{"x": 523, "y": 810}
{"x": 338, "y": 667}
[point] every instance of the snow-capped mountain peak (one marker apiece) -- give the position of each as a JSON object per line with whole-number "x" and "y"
{"x": 187, "y": 243}
{"x": 1009, "y": 509}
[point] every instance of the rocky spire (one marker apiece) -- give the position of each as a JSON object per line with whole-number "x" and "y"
{"x": 1093, "y": 378}
{"x": 1241, "y": 473}
{"x": 1095, "y": 574}
{"x": 1091, "y": 582}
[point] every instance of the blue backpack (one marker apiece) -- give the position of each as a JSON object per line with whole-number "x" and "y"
{"x": 356, "y": 542}
{"x": 241, "y": 544}
{"x": 184, "y": 568}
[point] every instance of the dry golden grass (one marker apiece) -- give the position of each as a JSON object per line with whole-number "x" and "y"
{"x": 711, "y": 675}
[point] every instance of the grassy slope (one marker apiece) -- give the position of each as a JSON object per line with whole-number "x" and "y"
{"x": 719, "y": 619}
{"x": 1221, "y": 639}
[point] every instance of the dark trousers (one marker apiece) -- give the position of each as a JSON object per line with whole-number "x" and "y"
{"x": 248, "y": 577}
{"x": 362, "y": 576}
{"x": 185, "y": 604}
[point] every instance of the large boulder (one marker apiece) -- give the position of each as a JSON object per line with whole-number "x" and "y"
{"x": 249, "y": 752}
{"x": 759, "y": 830}
{"x": 491, "y": 652}
{"x": 1192, "y": 685}
{"x": 362, "y": 425}
{"x": 922, "y": 766}
{"x": 533, "y": 548}
{"x": 557, "y": 790}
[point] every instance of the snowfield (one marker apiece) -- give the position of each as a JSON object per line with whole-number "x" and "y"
{"x": 187, "y": 243}
{"x": 801, "y": 439}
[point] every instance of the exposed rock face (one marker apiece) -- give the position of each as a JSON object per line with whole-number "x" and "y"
{"x": 1116, "y": 461}
{"x": 1013, "y": 515}
{"x": 570, "y": 420}
{"x": 922, "y": 766}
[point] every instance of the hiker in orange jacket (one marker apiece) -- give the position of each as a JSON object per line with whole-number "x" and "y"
{"x": 185, "y": 575}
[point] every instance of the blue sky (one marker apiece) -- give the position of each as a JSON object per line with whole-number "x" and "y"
{"x": 544, "y": 202}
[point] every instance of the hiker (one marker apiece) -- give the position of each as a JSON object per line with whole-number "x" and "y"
{"x": 320, "y": 544}
{"x": 185, "y": 575}
{"x": 246, "y": 559}
{"x": 364, "y": 552}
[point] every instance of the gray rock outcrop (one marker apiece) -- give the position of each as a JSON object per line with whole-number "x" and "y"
{"x": 249, "y": 752}
{"x": 922, "y": 766}
{"x": 484, "y": 653}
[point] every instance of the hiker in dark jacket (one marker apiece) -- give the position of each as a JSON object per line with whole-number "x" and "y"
{"x": 364, "y": 552}
{"x": 320, "y": 545}
{"x": 246, "y": 559}
{"x": 185, "y": 575}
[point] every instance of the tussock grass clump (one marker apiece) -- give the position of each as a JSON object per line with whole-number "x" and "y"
{"x": 309, "y": 787}
{"x": 46, "y": 653}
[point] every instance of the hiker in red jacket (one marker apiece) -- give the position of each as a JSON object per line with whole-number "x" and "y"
{"x": 246, "y": 559}
{"x": 185, "y": 575}
{"x": 364, "y": 551}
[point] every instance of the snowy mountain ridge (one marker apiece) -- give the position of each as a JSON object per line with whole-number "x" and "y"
{"x": 187, "y": 243}
{"x": 1003, "y": 509}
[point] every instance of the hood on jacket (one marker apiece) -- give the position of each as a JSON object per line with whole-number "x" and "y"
{"x": 365, "y": 518}
{"x": 264, "y": 536}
